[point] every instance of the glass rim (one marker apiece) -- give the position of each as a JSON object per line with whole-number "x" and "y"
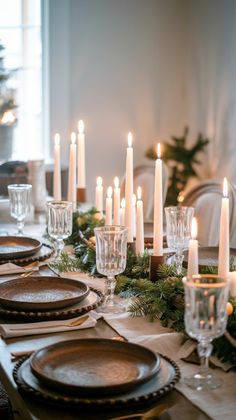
{"x": 196, "y": 280}
{"x": 19, "y": 186}
{"x": 178, "y": 208}
{"x": 59, "y": 202}
{"x": 110, "y": 228}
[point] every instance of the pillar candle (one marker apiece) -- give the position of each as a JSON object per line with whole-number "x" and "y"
{"x": 99, "y": 195}
{"x": 108, "y": 220}
{"x": 139, "y": 246}
{"x": 129, "y": 189}
{"x": 134, "y": 215}
{"x": 122, "y": 212}
{"x": 116, "y": 201}
{"x": 232, "y": 278}
{"x": 223, "y": 269}
{"x": 193, "y": 250}
{"x": 158, "y": 207}
{"x": 57, "y": 169}
{"x": 72, "y": 172}
{"x": 81, "y": 155}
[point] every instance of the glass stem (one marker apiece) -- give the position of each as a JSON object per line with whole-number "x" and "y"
{"x": 20, "y": 225}
{"x": 179, "y": 261}
{"x": 60, "y": 246}
{"x": 204, "y": 352}
{"x": 110, "y": 287}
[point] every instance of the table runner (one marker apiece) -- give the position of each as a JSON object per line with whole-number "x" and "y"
{"x": 217, "y": 404}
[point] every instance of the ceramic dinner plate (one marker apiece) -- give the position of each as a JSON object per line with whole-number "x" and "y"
{"x": 12, "y": 247}
{"x": 41, "y": 293}
{"x": 94, "y": 366}
{"x": 208, "y": 256}
{"x": 148, "y": 392}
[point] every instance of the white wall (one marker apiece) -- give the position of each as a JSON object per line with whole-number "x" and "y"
{"x": 124, "y": 73}
{"x": 211, "y": 82}
{"x": 148, "y": 66}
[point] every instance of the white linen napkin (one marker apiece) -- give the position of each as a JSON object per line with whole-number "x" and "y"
{"x": 46, "y": 327}
{"x": 10, "y": 269}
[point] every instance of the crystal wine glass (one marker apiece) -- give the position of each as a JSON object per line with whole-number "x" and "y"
{"x": 178, "y": 231}
{"x": 206, "y": 297}
{"x": 60, "y": 223}
{"x": 111, "y": 250}
{"x": 19, "y": 195}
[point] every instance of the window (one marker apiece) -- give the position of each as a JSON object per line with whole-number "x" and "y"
{"x": 20, "y": 33}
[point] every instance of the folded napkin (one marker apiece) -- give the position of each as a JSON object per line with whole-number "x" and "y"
{"x": 46, "y": 327}
{"x": 10, "y": 269}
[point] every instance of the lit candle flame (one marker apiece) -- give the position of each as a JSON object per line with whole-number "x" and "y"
{"x": 73, "y": 137}
{"x": 139, "y": 193}
{"x": 130, "y": 139}
{"x": 99, "y": 181}
{"x": 116, "y": 182}
{"x": 134, "y": 200}
{"x": 81, "y": 127}
{"x": 194, "y": 228}
{"x": 57, "y": 139}
{"x": 109, "y": 192}
{"x": 158, "y": 150}
{"x": 122, "y": 204}
{"x": 225, "y": 187}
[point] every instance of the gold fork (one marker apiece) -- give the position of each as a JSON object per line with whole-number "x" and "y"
{"x": 73, "y": 323}
{"x": 152, "y": 414}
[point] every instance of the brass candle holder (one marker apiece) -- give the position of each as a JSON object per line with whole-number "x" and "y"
{"x": 81, "y": 195}
{"x": 155, "y": 262}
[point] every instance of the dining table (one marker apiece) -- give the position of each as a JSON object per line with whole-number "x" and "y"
{"x": 176, "y": 402}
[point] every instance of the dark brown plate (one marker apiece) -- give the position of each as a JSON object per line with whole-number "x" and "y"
{"x": 208, "y": 256}
{"x": 90, "y": 302}
{"x": 18, "y": 246}
{"x": 163, "y": 382}
{"x": 94, "y": 366}
{"x": 41, "y": 293}
{"x": 42, "y": 254}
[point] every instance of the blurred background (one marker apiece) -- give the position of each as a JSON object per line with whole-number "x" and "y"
{"x": 152, "y": 67}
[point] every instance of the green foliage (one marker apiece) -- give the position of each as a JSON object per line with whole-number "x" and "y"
{"x": 83, "y": 226}
{"x": 180, "y": 160}
{"x": 163, "y": 300}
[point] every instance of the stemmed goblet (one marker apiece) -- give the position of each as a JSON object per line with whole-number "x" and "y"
{"x": 111, "y": 250}
{"x": 205, "y": 318}
{"x": 178, "y": 231}
{"x": 60, "y": 223}
{"x": 19, "y": 195}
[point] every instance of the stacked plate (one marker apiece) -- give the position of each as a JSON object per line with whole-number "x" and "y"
{"x": 46, "y": 297}
{"x": 22, "y": 249}
{"x": 96, "y": 372}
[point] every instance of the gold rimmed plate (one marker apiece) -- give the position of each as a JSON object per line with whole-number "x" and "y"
{"x": 13, "y": 247}
{"x": 41, "y": 293}
{"x": 94, "y": 366}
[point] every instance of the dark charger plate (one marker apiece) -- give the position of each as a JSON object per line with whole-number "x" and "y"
{"x": 41, "y": 293}
{"x": 163, "y": 382}
{"x": 94, "y": 366}
{"x": 12, "y": 247}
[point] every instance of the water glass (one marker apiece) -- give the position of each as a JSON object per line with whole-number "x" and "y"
{"x": 19, "y": 195}
{"x": 178, "y": 231}
{"x": 60, "y": 216}
{"x": 206, "y": 298}
{"x": 111, "y": 250}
